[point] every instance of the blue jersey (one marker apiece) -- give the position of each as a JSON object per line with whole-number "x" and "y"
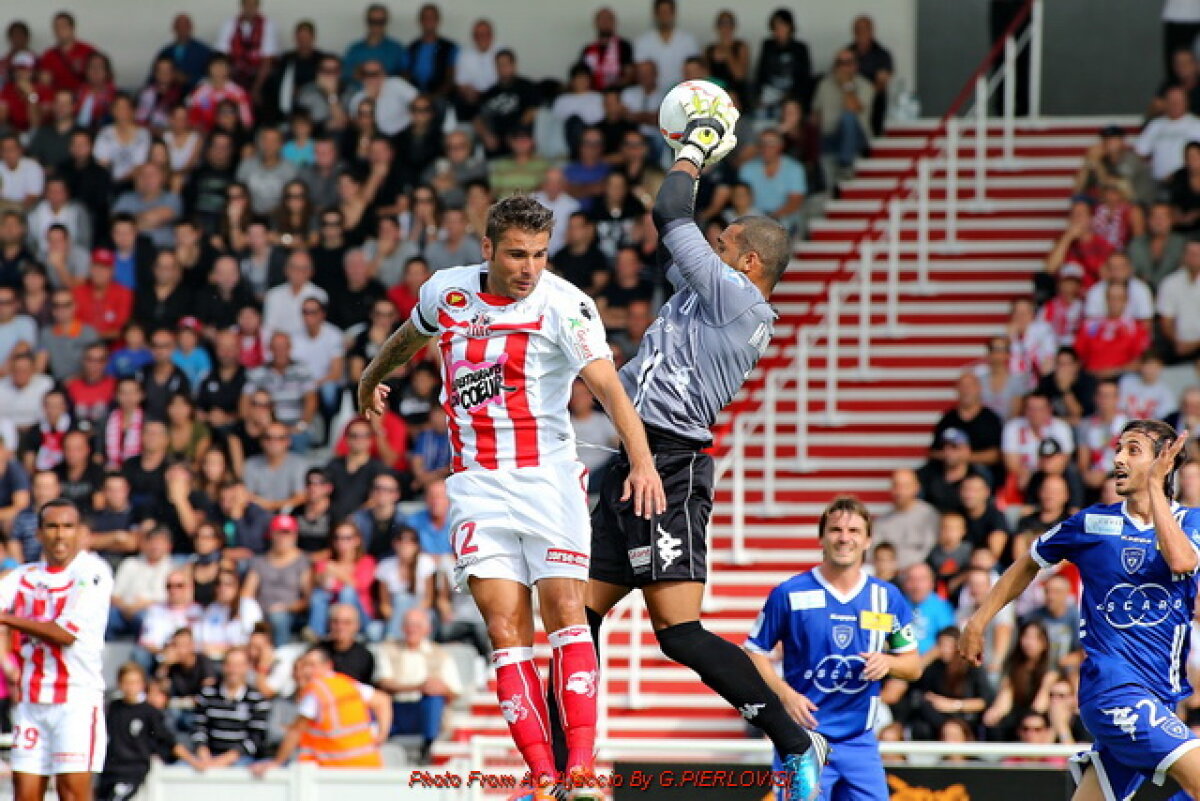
{"x": 823, "y": 634}
{"x": 1135, "y": 617}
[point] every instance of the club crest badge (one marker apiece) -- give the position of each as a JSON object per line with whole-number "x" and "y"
{"x": 1132, "y": 559}
{"x": 455, "y": 299}
{"x": 842, "y": 635}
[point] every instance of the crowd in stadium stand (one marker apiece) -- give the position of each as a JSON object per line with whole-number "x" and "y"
{"x": 1108, "y": 334}
{"x": 195, "y": 267}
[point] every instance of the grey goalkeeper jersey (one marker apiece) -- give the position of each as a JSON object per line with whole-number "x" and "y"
{"x": 695, "y": 357}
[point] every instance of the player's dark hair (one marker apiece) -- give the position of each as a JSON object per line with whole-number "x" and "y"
{"x": 884, "y": 546}
{"x": 56, "y": 503}
{"x": 844, "y": 503}
{"x": 769, "y": 240}
{"x": 521, "y": 212}
{"x": 1161, "y": 435}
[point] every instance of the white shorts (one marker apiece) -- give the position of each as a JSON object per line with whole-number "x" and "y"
{"x": 49, "y": 739}
{"x": 524, "y": 524}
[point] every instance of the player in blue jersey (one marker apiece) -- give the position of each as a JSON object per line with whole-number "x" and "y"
{"x": 1138, "y": 561}
{"x": 843, "y": 631}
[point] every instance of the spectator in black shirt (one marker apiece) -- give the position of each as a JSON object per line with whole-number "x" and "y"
{"x": 940, "y": 479}
{"x": 1070, "y": 388}
{"x": 222, "y": 296}
{"x": 314, "y": 519}
{"x": 982, "y": 426}
{"x": 1053, "y": 506}
{"x": 204, "y": 195}
{"x": 137, "y": 731}
{"x": 161, "y": 379}
{"x": 243, "y": 522}
{"x": 166, "y": 299}
{"x": 950, "y": 687}
{"x": 116, "y": 528}
{"x": 420, "y": 144}
{"x": 88, "y": 182}
{"x": 350, "y": 657}
{"x": 80, "y": 476}
{"x": 220, "y": 392}
{"x": 615, "y": 213}
{"x": 353, "y": 474}
{"x": 510, "y": 104}
{"x": 185, "y": 671}
{"x": 147, "y": 473}
{"x": 1054, "y": 461}
{"x": 627, "y": 285}
{"x": 350, "y": 304}
{"x": 615, "y": 123}
{"x": 987, "y": 527}
{"x": 14, "y": 254}
{"x": 581, "y": 261}
{"x": 784, "y": 66}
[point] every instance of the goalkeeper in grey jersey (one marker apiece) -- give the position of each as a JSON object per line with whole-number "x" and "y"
{"x": 691, "y": 363}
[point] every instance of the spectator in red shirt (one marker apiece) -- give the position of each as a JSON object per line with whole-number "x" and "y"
{"x": 389, "y": 440}
{"x": 21, "y": 96}
{"x": 1064, "y": 311}
{"x": 217, "y": 88}
{"x": 1081, "y": 244}
{"x": 406, "y": 293}
{"x": 92, "y": 392}
{"x": 1113, "y": 344}
{"x": 67, "y": 60}
{"x": 101, "y": 302}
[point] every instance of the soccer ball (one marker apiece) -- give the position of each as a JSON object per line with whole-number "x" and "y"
{"x": 672, "y": 118}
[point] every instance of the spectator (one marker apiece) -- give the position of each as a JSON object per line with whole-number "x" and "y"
{"x": 940, "y": 480}
{"x": 1158, "y": 252}
{"x": 987, "y": 526}
{"x": 1189, "y": 483}
{"x": 507, "y": 109}
{"x": 1119, "y": 270}
{"x": 313, "y": 519}
{"x": 100, "y": 303}
{"x": 281, "y": 580}
{"x": 68, "y": 58}
{"x": 432, "y": 58}
{"x": 291, "y": 387}
{"x": 295, "y": 70}
{"x": 117, "y": 530}
{"x": 593, "y": 431}
{"x": 1032, "y": 343}
{"x": 270, "y": 671}
{"x": 283, "y": 305}
{"x": 1183, "y": 190}
{"x": 581, "y": 261}
{"x": 63, "y": 342}
{"x": 244, "y": 523}
{"x": 784, "y": 66}
{"x": 140, "y": 583}
{"x": 354, "y": 474}
{"x": 137, "y": 731}
{"x": 15, "y": 256}
{"x": 162, "y": 379}
{"x": 23, "y": 543}
{"x": 1112, "y": 345}
{"x": 608, "y": 57}
{"x": 456, "y": 246}
{"x": 152, "y": 204}
{"x": 333, "y": 720}
{"x": 188, "y": 54}
{"x": 665, "y": 45}
{"x": 1098, "y": 435}
{"x": 15, "y": 328}
{"x": 210, "y": 95}
{"x": 97, "y": 92}
{"x": 344, "y": 577}
{"x": 1054, "y": 460}
{"x": 266, "y": 173}
{"x": 1079, "y": 244}
{"x": 206, "y": 191}
{"x": 949, "y": 555}
{"x": 251, "y": 42}
{"x": 1023, "y": 436}
{"x": 628, "y": 286}
{"x": 124, "y": 145}
{"x": 1060, "y": 618}
{"x": 883, "y": 564}
{"x": 22, "y": 390}
{"x": 1063, "y": 714}
{"x": 931, "y": 612}
{"x": 65, "y": 261}
{"x": 350, "y": 657}
{"x": 777, "y": 182}
{"x": 22, "y": 180}
{"x": 382, "y": 516}
{"x": 1064, "y": 311}
{"x": 275, "y": 479}
{"x": 642, "y": 100}
{"x": 951, "y": 689}
{"x": 1163, "y": 139}
{"x": 1187, "y": 416}
{"x": 80, "y": 477}
{"x": 231, "y": 716}
{"x": 1179, "y": 293}
{"x": 1026, "y": 682}
{"x": 1053, "y": 506}
{"x": 874, "y": 64}
{"x": 58, "y": 209}
{"x": 123, "y": 428}
{"x": 998, "y": 634}
{"x": 981, "y": 425}
{"x": 911, "y": 525}
{"x": 841, "y": 109}
{"x": 475, "y": 68}
{"x": 228, "y": 619}
{"x": 375, "y": 46}
{"x": 1071, "y": 389}
{"x": 421, "y": 678}
{"x": 407, "y": 579}
{"x": 163, "y": 619}
{"x": 553, "y": 195}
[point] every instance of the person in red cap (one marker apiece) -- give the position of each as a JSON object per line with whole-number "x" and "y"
{"x": 101, "y": 302}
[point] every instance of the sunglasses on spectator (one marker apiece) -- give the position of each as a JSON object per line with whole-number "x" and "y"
{"x": 377, "y": 21}
{"x": 176, "y": 585}
{"x": 317, "y": 482}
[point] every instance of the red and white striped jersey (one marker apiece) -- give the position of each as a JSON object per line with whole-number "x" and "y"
{"x": 76, "y": 597}
{"x": 507, "y": 366}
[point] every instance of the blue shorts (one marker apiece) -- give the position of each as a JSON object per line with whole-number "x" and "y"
{"x": 1137, "y": 738}
{"x": 854, "y": 773}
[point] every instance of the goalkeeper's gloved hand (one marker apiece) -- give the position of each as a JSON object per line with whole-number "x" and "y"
{"x": 709, "y": 136}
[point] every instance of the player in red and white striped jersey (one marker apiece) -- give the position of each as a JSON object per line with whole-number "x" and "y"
{"x": 512, "y": 340}
{"x": 59, "y": 609}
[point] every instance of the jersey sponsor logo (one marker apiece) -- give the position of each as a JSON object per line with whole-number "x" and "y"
{"x": 639, "y": 558}
{"x": 564, "y": 557}
{"x": 1127, "y": 605}
{"x": 583, "y": 683}
{"x": 750, "y": 711}
{"x": 1105, "y": 525}
{"x": 514, "y": 709}
{"x": 1132, "y": 559}
{"x": 876, "y": 621}
{"x": 668, "y": 547}
{"x": 1124, "y": 718}
{"x": 842, "y": 635}
{"x": 806, "y": 599}
{"x": 585, "y": 310}
{"x": 580, "y": 331}
{"x": 455, "y": 299}
{"x": 836, "y": 616}
{"x": 475, "y": 385}
{"x": 839, "y": 674}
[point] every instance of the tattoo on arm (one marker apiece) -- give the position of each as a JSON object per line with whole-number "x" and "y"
{"x": 401, "y": 346}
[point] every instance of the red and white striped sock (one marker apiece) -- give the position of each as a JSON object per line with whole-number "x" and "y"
{"x": 523, "y": 704}
{"x": 575, "y": 673}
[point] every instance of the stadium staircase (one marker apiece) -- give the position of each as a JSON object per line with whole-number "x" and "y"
{"x": 886, "y": 416}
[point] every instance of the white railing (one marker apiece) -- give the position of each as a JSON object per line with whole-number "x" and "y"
{"x": 911, "y": 196}
{"x": 759, "y": 751}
